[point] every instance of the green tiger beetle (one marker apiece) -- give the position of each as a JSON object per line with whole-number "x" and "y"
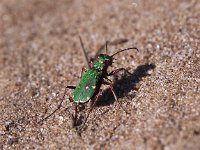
{"x": 88, "y": 89}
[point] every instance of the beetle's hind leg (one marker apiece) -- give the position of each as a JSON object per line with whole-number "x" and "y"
{"x": 91, "y": 108}
{"x": 107, "y": 82}
{"x": 76, "y": 117}
{"x": 60, "y": 104}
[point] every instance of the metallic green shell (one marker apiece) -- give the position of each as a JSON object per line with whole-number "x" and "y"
{"x": 86, "y": 88}
{"x": 100, "y": 64}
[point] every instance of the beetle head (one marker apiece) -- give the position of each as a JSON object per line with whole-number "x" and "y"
{"x": 103, "y": 61}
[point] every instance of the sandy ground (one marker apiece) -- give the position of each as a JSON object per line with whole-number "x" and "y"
{"x": 40, "y": 54}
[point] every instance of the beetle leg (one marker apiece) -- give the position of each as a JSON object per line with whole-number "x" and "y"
{"x": 118, "y": 70}
{"x": 60, "y": 104}
{"x": 91, "y": 108}
{"x": 83, "y": 70}
{"x": 91, "y": 64}
{"x": 113, "y": 92}
{"x": 75, "y": 115}
{"x": 107, "y": 79}
{"x": 67, "y": 87}
{"x": 70, "y": 87}
{"x": 70, "y": 98}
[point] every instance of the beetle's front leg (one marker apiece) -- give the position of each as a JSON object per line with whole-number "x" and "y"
{"x": 118, "y": 70}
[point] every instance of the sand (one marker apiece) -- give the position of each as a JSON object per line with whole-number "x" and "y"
{"x": 40, "y": 54}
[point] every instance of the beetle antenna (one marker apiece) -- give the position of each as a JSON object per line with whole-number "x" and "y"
{"x": 84, "y": 52}
{"x": 124, "y": 50}
{"x": 106, "y": 47}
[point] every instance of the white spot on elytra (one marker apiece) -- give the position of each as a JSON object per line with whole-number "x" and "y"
{"x": 93, "y": 87}
{"x": 88, "y": 98}
{"x": 87, "y": 87}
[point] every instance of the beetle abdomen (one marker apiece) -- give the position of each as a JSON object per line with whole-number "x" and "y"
{"x": 87, "y": 86}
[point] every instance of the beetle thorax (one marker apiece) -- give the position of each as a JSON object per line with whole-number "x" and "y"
{"x": 103, "y": 62}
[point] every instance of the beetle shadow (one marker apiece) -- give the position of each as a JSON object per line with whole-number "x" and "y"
{"x": 124, "y": 85}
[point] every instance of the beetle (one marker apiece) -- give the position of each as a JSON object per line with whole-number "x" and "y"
{"x": 89, "y": 87}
